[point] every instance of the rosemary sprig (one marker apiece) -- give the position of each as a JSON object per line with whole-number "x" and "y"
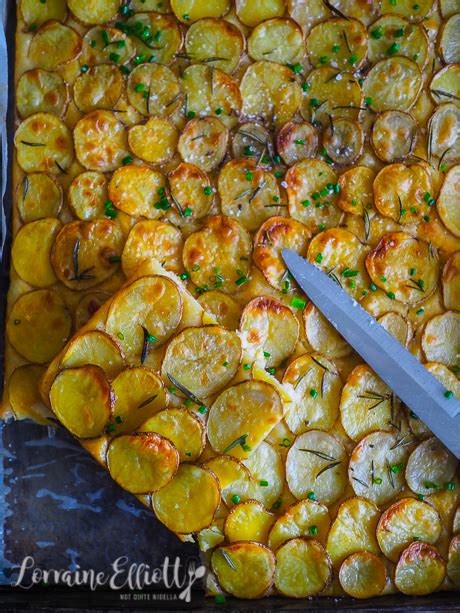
{"x": 214, "y": 59}
{"x": 328, "y": 467}
{"x": 60, "y": 168}
{"x": 344, "y": 34}
{"x": 228, "y": 559}
{"x": 243, "y": 194}
{"x": 298, "y": 383}
{"x": 320, "y": 454}
{"x": 441, "y": 159}
{"x": 402, "y": 442}
{"x": 184, "y": 390}
{"x": 256, "y": 191}
{"x": 390, "y": 473}
{"x": 77, "y": 275}
{"x": 439, "y": 93}
{"x": 147, "y": 401}
{"x": 25, "y": 187}
{"x": 367, "y": 224}
{"x": 148, "y": 338}
{"x": 416, "y": 285}
{"x": 29, "y": 144}
{"x": 252, "y": 136}
{"x": 360, "y": 481}
{"x": 177, "y": 204}
{"x": 334, "y": 10}
{"x": 241, "y": 440}
{"x": 175, "y": 99}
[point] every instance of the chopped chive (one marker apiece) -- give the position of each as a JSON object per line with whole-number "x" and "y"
{"x": 219, "y": 111}
{"x": 139, "y": 87}
{"x": 319, "y": 258}
{"x": 399, "y": 33}
{"x": 266, "y": 354}
{"x": 306, "y": 203}
{"x": 368, "y": 101}
{"x": 335, "y": 48}
{"x": 241, "y": 280}
{"x": 263, "y": 483}
{"x": 397, "y": 467}
{"x": 114, "y": 57}
{"x": 394, "y": 48}
{"x": 313, "y": 530}
{"x": 202, "y": 409}
{"x": 323, "y": 59}
{"x": 391, "y": 295}
{"x": 298, "y": 303}
{"x": 353, "y": 59}
{"x": 305, "y": 86}
{"x": 246, "y": 367}
{"x": 225, "y": 364}
{"x": 377, "y": 32}
{"x": 84, "y": 68}
{"x": 207, "y": 190}
{"x": 188, "y": 212}
{"x": 373, "y": 287}
{"x": 236, "y": 499}
{"x": 299, "y": 141}
{"x": 286, "y": 442}
{"x": 219, "y": 598}
{"x": 449, "y": 486}
{"x": 249, "y": 176}
{"x": 383, "y": 279}
{"x": 313, "y": 393}
{"x": 311, "y": 496}
{"x": 420, "y": 311}
{"x": 271, "y": 371}
{"x": 127, "y": 160}
{"x": 448, "y": 394}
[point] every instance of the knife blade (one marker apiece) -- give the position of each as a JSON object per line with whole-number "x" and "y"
{"x": 398, "y": 368}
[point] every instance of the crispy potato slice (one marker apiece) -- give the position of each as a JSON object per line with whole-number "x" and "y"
{"x": 448, "y": 40}
{"x": 353, "y": 530}
{"x": 30, "y": 252}
{"x": 37, "y": 13}
{"x": 303, "y": 518}
{"x": 142, "y": 462}
{"x": 216, "y": 42}
{"x": 393, "y": 135}
{"x": 346, "y": 38}
{"x": 248, "y": 521}
{"x": 203, "y": 142}
{"x": 252, "y": 14}
{"x": 339, "y": 251}
{"x": 253, "y": 140}
{"x": 100, "y": 141}
{"x": 322, "y": 336}
{"x": 181, "y": 426}
{"x": 270, "y": 92}
{"x": 308, "y": 12}
{"x": 82, "y": 400}
{"x": 393, "y": 84}
{"x": 40, "y": 91}
{"x": 343, "y": 141}
{"x": 24, "y": 393}
{"x": 420, "y": 570}
{"x": 441, "y": 339}
{"x": 233, "y": 477}
{"x": 267, "y": 472}
{"x": 445, "y": 86}
{"x": 87, "y": 195}
{"x": 448, "y": 198}
{"x": 392, "y": 34}
{"x": 296, "y": 141}
{"x": 136, "y": 190}
{"x": 154, "y": 89}
{"x": 190, "y": 10}
{"x": 38, "y": 196}
{"x": 191, "y": 193}
{"x": 43, "y": 144}
{"x": 366, "y": 404}
{"x": 53, "y": 45}
{"x": 189, "y": 502}
{"x": 248, "y": 193}
{"x": 443, "y": 130}
{"x": 217, "y": 256}
{"x": 391, "y": 263}
{"x": 244, "y": 570}
{"x": 95, "y": 12}
{"x": 155, "y": 141}
{"x": 273, "y": 236}
{"x": 144, "y": 315}
{"x": 222, "y": 307}
{"x": 363, "y": 575}
{"x": 277, "y": 40}
{"x": 404, "y": 521}
{"x": 317, "y": 386}
{"x": 453, "y": 561}
{"x": 312, "y": 194}
{"x": 316, "y": 467}
{"x": 97, "y": 348}
{"x": 157, "y": 36}
{"x": 88, "y": 306}
{"x": 39, "y": 325}
{"x": 303, "y": 568}
{"x": 242, "y": 416}
{"x": 99, "y": 87}
{"x": 270, "y": 327}
{"x": 83, "y": 252}
{"x": 96, "y": 49}
{"x": 430, "y": 467}
{"x": 356, "y": 190}
{"x": 396, "y": 325}
{"x": 445, "y": 376}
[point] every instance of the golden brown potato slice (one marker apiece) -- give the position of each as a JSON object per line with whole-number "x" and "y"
{"x": 189, "y": 502}
{"x": 53, "y": 45}
{"x": 253, "y": 140}
{"x": 216, "y": 42}
{"x": 296, "y": 141}
{"x": 99, "y": 87}
{"x": 244, "y": 570}
{"x": 393, "y": 135}
{"x": 393, "y": 35}
{"x": 337, "y": 42}
{"x": 303, "y": 568}
{"x": 414, "y": 12}
{"x": 450, "y": 381}
{"x": 203, "y": 142}
{"x": 441, "y": 339}
{"x": 154, "y": 142}
{"x": 363, "y": 575}
{"x": 448, "y": 7}
{"x": 94, "y": 12}
{"x": 407, "y": 520}
{"x": 252, "y": 14}
{"x": 343, "y": 141}
{"x": 144, "y": 315}
{"x": 356, "y": 190}
{"x": 277, "y": 40}
{"x": 88, "y": 306}
{"x": 393, "y": 84}
{"x": 191, "y": 193}
{"x": 158, "y": 37}
{"x": 225, "y": 310}
{"x": 443, "y": 127}
{"x": 242, "y": 416}
{"x": 85, "y": 253}
{"x": 420, "y": 570}
{"x": 30, "y": 252}
{"x": 138, "y": 191}
{"x": 307, "y": 12}
{"x": 103, "y": 44}
{"x": 82, "y": 400}
{"x": 445, "y": 85}
{"x": 406, "y": 268}
{"x": 233, "y": 477}
{"x": 448, "y": 198}
{"x": 24, "y": 393}
{"x": 453, "y": 561}
{"x": 396, "y": 325}
{"x": 38, "y": 196}
{"x": 451, "y": 281}
{"x": 87, "y": 195}
{"x": 304, "y": 518}
{"x": 430, "y": 467}
{"x": 43, "y": 144}
{"x": 217, "y": 256}
{"x": 448, "y": 40}
{"x": 317, "y": 386}
{"x": 316, "y": 467}
{"x": 266, "y": 467}
{"x": 271, "y": 92}
{"x": 322, "y": 336}
{"x": 248, "y": 521}
{"x": 34, "y": 12}
{"x": 97, "y": 348}
{"x": 273, "y": 236}
{"x": 190, "y": 10}
{"x": 40, "y": 91}
{"x": 100, "y": 141}
{"x": 142, "y": 462}
{"x": 39, "y": 325}
{"x": 154, "y": 89}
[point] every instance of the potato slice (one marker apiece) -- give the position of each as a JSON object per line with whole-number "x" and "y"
{"x": 353, "y": 530}
{"x": 37, "y": 197}
{"x": 189, "y": 502}
{"x": 296, "y": 142}
{"x": 269, "y": 327}
{"x": 420, "y": 570}
{"x": 40, "y": 91}
{"x": 404, "y": 521}
{"x": 209, "y": 538}
{"x": 158, "y": 37}
{"x": 97, "y": 11}
{"x": 453, "y": 561}
{"x": 181, "y": 426}
{"x": 322, "y": 336}
{"x": 277, "y": 40}
{"x": 87, "y": 195}
{"x": 242, "y": 416}
{"x": 407, "y": 9}
{"x": 39, "y": 325}
{"x": 303, "y": 568}
{"x": 119, "y": 49}
{"x": 82, "y": 400}
{"x": 99, "y": 87}
{"x": 274, "y": 235}
{"x": 190, "y": 10}
{"x": 447, "y": 202}
{"x": 233, "y": 477}
{"x": 43, "y": 144}
{"x": 155, "y": 141}
{"x": 136, "y": 190}
{"x": 203, "y": 142}
{"x": 270, "y": 92}
{"x": 316, "y": 467}
{"x": 445, "y": 376}
{"x": 244, "y": 570}
{"x": 317, "y": 386}
{"x": 225, "y": 310}
{"x": 191, "y": 193}
{"x": 88, "y": 306}
{"x": 340, "y": 253}
{"x": 312, "y": 194}
{"x": 448, "y": 7}
{"x": 100, "y": 141}
{"x": 53, "y": 45}
{"x": 216, "y": 42}
{"x": 345, "y": 38}
{"x": 441, "y": 339}
{"x": 218, "y": 255}
{"x": 144, "y": 315}
{"x": 154, "y": 89}
{"x": 304, "y": 518}
{"x": 363, "y": 575}
{"x": 31, "y": 250}
{"x": 37, "y": 13}
{"x": 443, "y": 129}
{"x": 445, "y": 86}
{"x": 248, "y": 521}
{"x": 392, "y": 34}
{"x": 83, "y": 252}
{"x": 393, "y": 135}
{"x": 448, "y": 40}
{"x": 267, "y": 472}
{"x": 97, "y": 348}
{"x": 430, "y": 467}
{"x": 142, "y": 462}
{"x": 24, "y": 393}
{"x": 248, "y": 193}
{"x": 396, "y": 325}
{"x": 251, "y": 14}
{"x": 393, "y": 84}
{"x": 343, "y": 141}
{"x": 392, "y": 262}
{"x": 253, "y": 140}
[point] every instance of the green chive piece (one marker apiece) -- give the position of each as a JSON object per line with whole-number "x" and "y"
{"x": 397, "y": 467}
{"x": 202, "y": 409}
{"x": 263, "y": 483}
{"x": 139, "y": 87}
{"x": 127, "y": 160}
{"x": 391, "y": 296}
{"x": 311, "y": 496}
{"x": 188, "y": 212}
{"x": 450, "y": 485}
{"x": 207, "y": 190}
{"x": 249, "y": 176}
{"x": 195, "y": 268}
{"x": 430, "y": 485}
{"x": 373, "y": 287}
{"x": 319, "y": 258}
{"x": 383, "y": 279}
{"x": 114, "y": 57}
{"x": 377, "y": 33}
{"x": 266, "y": 354}
{"x": 412, "y": 271}
{"x": 399, "y": 33}
{"x": 313, "y": 530}
{"x": 277, "y": 504}
{"x": 449, "y": 394}
{"x": 299, "y": 141}
{"x": 368, "y": 101}
{"x": 432, "y": 202}
{"x": 427, "y": 196}
{"x": 271, "y": 371}
{"x": 313, "y": 393}
{"x": 246, "y": 367}
{"x": 298, "y": 303}
{"x": 394, "y": 48}
{"x": 84, "y": 68}
{"x": 377, "y": 480}
{"x": 306, "y": 203}
{"x": 219, "y": 111}
{"x": 335, "y": 48}
{"x": 235, "y": 499}
{"x": 241, "y": 280}
{"x": 305, "y": 86}
{"x": 420, "y": 311}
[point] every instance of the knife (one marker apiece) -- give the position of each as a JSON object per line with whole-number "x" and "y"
{"x": 400, "y": 370}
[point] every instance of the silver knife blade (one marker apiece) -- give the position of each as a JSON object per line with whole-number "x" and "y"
{"x": 400, "y": 370}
